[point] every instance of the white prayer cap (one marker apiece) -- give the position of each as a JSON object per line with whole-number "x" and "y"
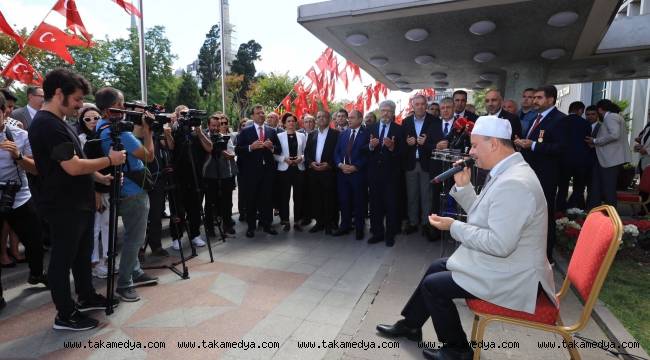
{"x": 492, "y": 126}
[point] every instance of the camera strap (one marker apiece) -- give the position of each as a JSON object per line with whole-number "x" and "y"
{"x": 10, "y": 137}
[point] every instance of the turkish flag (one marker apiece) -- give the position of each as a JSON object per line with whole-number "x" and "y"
{"x": 20, "y": 70}
{"x": 398, "y": 119}
{"x": 332, "y": 90}
{"x": 375, "y": 91}
{"x": 355, "y": 70}
{"x": 329, "y": 54}
{"x": 302, "y": 107}
{"x": 313, "y": 106}
{"x": 306, "y": 90}
{"x": 323, "y": 62}
{"x": 286, "y": 103}
{"x": 359, "y": 103}
{"x": 311, "y": 74}
{"x": 343, "y": 75}
{"x": 299, "y": 89}
{"x": 50, "y": 38}
{"x": 321, "y": 81}
{"x": 368, "y": 97}
{"x": 384, "y": 90}
{"x": 349, "y": 107}
{"x": 334, "y": 71}
{"x": 68, "y": 8}
{"x": 8, "y": 30}
{"x": 129, "y": 8}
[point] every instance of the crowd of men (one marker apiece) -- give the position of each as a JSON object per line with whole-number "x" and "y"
{"x": 341, "y": 169}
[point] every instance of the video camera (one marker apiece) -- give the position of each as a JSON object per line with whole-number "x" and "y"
{"x": 189, "y": 118}
{"x": 118, "y": 124}
{"x": 219, "y": 142}
{"x": 156, "y": 124}
{"x": 9, "y": 189}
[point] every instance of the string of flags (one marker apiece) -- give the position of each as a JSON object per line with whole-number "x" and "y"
{"x": 51, "y": 38}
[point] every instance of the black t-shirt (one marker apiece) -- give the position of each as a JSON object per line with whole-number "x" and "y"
{"x": 53, "y": 141}
{"x": 182, "y": 166}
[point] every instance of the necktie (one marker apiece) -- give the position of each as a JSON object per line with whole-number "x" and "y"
{"x": 456, "y": 117}
{"x": 349, "y": 149}
{"x": 487, "y": 179}
{"x": 539, "y": 117}
{"x": 446, "y": 130}
{"x": 261, "y": 134}
{"x": 381, "y": 136}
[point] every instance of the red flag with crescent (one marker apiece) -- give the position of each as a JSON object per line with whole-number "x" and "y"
{"x": 20, "y": 70}
{"x": 355, "y": 70}
{"x": 332, "y": 90}
{"x": 398, "y": 119}
{"x": 359, "y": 104}
{"x": 375, "y": 91}
{"x": 50, "y": 38}
{"x": 68, "y": 8}
{"x": 8, "y": 30}
{"x": 313, "y": 106}
{"x": 323, "y": 62}
{"x": 311, "y": 74}
{"x": 299, "y": 89}
{"x": 343, "y": 75}
{"x": 129, "y": 8}
{"x": 384, "y": 90}
{"x": 329, "y": 54}
{"x": 286, "y": 103}
{"x": 349, "y": 107}
{"x": 368, "y": 97}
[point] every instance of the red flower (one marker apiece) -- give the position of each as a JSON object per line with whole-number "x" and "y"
{"x": 572, "y": 233}
{"x": 629, "y": 222}
{"x": 581, "y": 222}
{"x": 559, "y": 215}
{"x": 643, "y": 225}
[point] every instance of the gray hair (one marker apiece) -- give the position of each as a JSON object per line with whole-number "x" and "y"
{"x": 498, "y": 92}
{"x": 419, "y": 96}
{"x": 446, "y": 100}
{"x": 390, "y": 103}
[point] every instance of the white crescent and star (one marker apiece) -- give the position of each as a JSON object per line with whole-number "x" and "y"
{"x": 65, "y": 5}
{"x": 44, "y": 35}
{"x": 19, "y": 65}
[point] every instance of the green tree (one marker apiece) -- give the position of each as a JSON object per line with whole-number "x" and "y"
{"x": 244, "y": 64}
{"x": 273, "y": 88}
{"x": 188, "y": 92}
{"x": 210, "y": 58}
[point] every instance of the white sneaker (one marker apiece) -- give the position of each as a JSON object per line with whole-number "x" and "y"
{"x": 175, "y": 245}
{"x": 197, "y": 241}
{"x": 117, "y": 267}
{"x": 100, "y": 271}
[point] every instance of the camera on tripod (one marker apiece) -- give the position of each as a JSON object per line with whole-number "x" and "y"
{"x": 219, "y": 142}
{"x": 189, "y": 118}
{"x": 156, "y": 124}
{"x": 9, "y": 189}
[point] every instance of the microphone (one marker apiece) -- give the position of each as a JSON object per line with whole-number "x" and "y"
{"x": 456, "y": 169}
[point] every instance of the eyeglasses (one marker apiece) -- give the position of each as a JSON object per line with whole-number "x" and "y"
{"x": 38, "y": 95}
{"x": 224, "y": 123}
{"x": 88, "y": 119}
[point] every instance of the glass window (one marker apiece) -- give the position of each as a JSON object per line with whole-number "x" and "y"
{"x": 598, "y": 91}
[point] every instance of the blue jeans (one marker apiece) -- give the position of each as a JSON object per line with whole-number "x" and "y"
{"x": 134, "y": 210}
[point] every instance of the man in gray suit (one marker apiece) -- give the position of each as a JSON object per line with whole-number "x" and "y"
{"x": 612, "y": 149}
{"x": 502, "y": 257}
{"x": 25, "y": 114}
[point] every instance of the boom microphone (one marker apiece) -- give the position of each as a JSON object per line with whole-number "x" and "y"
{"x": 449, "y": 173}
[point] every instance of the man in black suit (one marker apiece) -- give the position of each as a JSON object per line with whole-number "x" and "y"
{"x": 493, "y": 104}
{"x": 35, "y": 101}
{"x": 272, "y": 121}
{"x": 257, "y": 144}
{"x": 384, "y": 146}
{"x": 460, "y": 102}
{"x": 319, "y": 153}
{"x": 545, "y": 144}
{"x": 577, "y": 163}
{"x": 591, "y": 114}
{"x": 416, "y": 165}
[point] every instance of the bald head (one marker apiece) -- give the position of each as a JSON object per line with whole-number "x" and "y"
{"x": 493, "y": 102}
{"x": 510, "y": 106}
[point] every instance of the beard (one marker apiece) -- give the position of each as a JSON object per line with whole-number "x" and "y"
{"x": 385, "y": 120}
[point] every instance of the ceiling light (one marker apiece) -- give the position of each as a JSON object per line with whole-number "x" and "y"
{"x": 379, "y": 61}
{"x": 438, "y": 76}
{"x": 488, "y": 76}
{"x": 597, "y": 68}
{"x": 482, "y": 27}
{"x": 578, "y": 78}
{"x": 416, "y": 34}
{"x": 401, "y": 84}
{"x": 553, "y": 54}
{"x": 424, "y": 59}
{"x": 563, "y": 18}
{"x": 484, "y": 57}
{"x": 406, "y": 90}
{"x": 625, "y": 74}
{"x": 484, "y": 84}
{"x": 440, "y": 89}
{"x": 357, "y": 39}
{"x": 442, "y": 83}
{"x": 393, "y": 76}
{"x": 477, "y": 89}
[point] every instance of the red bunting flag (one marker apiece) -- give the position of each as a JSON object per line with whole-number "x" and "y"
{"x": 368, "y": 97}
{"x": 323, "y": 62}
{"x": 329, "y": 54}
{"x": 355, "y": 70}
{"x": 311, "y": 74}
{"x": 313, "y": 106}
{"x": 50, "y": 38}
{"x": 20, "y": 70}
{"x": 343, "y": 75}
{"x": 8, "y": 30}
{"x": 129, "y": 8}
{"x": 299, "y": 89}
{"x": 359, "y": 104}
{"x": 349, "y": 107}
{"x": 375, "y": 91}
{"x": 398, "y": 119}
{"x": 332, "y": 90}
{"x": 68, "y": 8}
{"x": 384, "y": 91}
{"x": 286, "y": 103}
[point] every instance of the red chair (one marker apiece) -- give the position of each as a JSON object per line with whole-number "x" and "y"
{"x": 635, "y": 199}
{"x": 597, "y": 244}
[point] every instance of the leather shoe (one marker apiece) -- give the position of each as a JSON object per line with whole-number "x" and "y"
{"x": 328, "y": 231}
{"x": 250, "y": 233}
{"x": 390, "y": 242}
{"x": 400, "y": 330}
{"x": 447, "y": 354}
{"x": 410, "y": 229}
{"x": 335, "y": 226}
{"x": 359, "y": 235}
{"x": 375, "y": 239}
{"x": 317, "y": 228}
{"x": 305, "y": 222}
{"x": 270, "y": 230}
{"x": 341, "y": 232}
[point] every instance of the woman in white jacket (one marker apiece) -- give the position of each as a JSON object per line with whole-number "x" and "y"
{"x": 291, "y": 171}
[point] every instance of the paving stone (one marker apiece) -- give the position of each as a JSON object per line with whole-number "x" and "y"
{"x": 329, "y": 315}
{"x": 315, "y": 332}
{"x": 277, "y": 326}
{"x": 294, "y": 309}
{"x": 291, "y": 351}
{"x": 341, "y": 299}
{"x": 308, "y": 294}
{"x": 303, "y": 268}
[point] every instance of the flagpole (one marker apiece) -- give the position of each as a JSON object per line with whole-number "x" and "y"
{"x": 143, "y": 59}
{"x": 223, "y": 60}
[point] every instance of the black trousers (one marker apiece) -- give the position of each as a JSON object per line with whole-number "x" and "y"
{"x": 550, "y": 191}
{"x": 72, "y": 246}
{"x": 306, "y": 211}
{"x": 580, "y": 174}
{"x": 644, "y": 195}
{"x": 323, "y": 196}
{"x": 35, "y": 185}
{"x": 25, "y": 221}
{"x": 220, "y": 205}
{"x": 434, "y": 298}
{"x": 156, "y": 208}
{"x": 603, "y": 181}
{"x": 383, "y": 203}
{"x": 259, "y": 195}
{"x": 241, "y": 194}
{"x": 291, "y": 178}
{"x": 187, "y": 203}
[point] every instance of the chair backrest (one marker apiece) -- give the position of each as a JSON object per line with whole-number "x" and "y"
{"x": 644, "y": 182}
{"x": 597, "y": 245}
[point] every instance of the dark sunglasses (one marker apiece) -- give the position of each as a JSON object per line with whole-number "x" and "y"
{"x": 224, "y": 123}
{"x": 96, "y": 118}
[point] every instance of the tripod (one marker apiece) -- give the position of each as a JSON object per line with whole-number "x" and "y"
{"x": 112, "y": 220}
{"x": 216, "y": 206}
{"x": 170, "y": 188}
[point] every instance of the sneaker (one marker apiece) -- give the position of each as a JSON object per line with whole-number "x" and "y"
{"x": 127, "y": 294}
{"x": 100, "y": 271}
{"x": 98, "y": 303}
{"x": 41, "y": 279}
{"x": 175, "y": 245}
{"x": 197, "y": 241}
{"x": 76, "y": 321}
{"x": 117, "y": 267}
{"x": 144, "y": 279}
{"x": 141, "y": 257}
{"x": 160, "y": 252}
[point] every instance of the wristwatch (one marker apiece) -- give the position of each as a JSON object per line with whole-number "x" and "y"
{"x": 20, "y": 157}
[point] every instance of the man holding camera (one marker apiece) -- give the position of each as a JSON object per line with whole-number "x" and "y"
{"x": 67, "y": 202}
{"x": 134, "y": 201}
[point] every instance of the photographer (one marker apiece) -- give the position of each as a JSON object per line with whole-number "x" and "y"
{"x": 67, "y": 201}
{"x": 220, "y": 182}
{"x": 184, "y": 130}
{"x": 134, "y": 202}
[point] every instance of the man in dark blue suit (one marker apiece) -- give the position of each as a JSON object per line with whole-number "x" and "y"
{"x": 256, "y": 144}
{"x": 546, "y": 142}
{"x": 384, "y": 145}
{"x": 577, "y": 163}
{"x": 351, "y": 163}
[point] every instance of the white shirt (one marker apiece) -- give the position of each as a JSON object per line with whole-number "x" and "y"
{"x": 540, "y": 121}
{"x": 497, "y": 114}
{"x": 492, "y": 172}
{"x": 462, "y": 114}
{"x": 593, "y": 126}
{"x": 32, "y": 111}
{"x": 7, "y": 167}
{"x": 450, "y": 122}
{"x": 320, "y": 143}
